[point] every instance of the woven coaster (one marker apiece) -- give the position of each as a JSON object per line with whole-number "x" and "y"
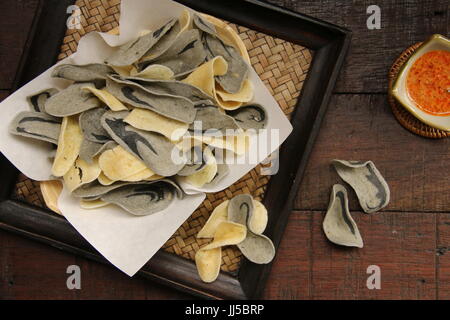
{"x": 403, "y": 116}
{"x": 281, "y": 65}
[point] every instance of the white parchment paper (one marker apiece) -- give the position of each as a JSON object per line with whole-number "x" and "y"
{"x": 127, "y": 241}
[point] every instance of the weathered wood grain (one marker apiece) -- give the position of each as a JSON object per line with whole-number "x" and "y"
{"x": 402, "y": 244}
{"x": 307, "y": 265}
{"x": 30, "y": 270}
{"x": 362, "y": 127}
{"x": 16, "y": 18}
{"x": 291, "y": 274}
{"x": 443, "y": 256}
{"x": 403, "y": 23}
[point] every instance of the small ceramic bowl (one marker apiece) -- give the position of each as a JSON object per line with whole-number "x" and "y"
{"x": 399, "y": 90}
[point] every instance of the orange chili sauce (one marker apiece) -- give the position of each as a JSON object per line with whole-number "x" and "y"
{"x": 428, "y": 82}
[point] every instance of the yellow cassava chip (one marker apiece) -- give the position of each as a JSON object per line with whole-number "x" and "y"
{"x": 107, "y": 98}
{"x": 226, "y": 100}
{"x": 118, "y": 164}
{"x": 228, "y": 105}
{"x": 185, "y": 20}
{"x": 204, "y": 176}
{"x": 154, "y": 71}
{"x": 154, "y": 177}
{"x": 238, "y": 144}
{"x": 151, "y": 121}
{"x": 219, "y": 215}
{"x": 228, "y": 233}
{"x": 208, "y": 264}
{"x": 124, "y": 71}
{"x": 258, "y": 221}
{"x": 81, "y": 173}
{"x": 104, "y": 180}
{"x": 92, "y": 204}
{"x": 229, "y": 36}
{"x": 209, "y": 258}
{"x": 203, "y": 76}
{"x": 141, "y": 175}
{"x": 69, "y": 144}
{"x": 232, "y": 101}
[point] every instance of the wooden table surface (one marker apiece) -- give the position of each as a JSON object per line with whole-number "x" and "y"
{"x": 409, "y": 240}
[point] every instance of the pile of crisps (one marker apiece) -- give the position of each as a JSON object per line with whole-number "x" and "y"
{"x": 241, "y": 222}
{"x": 117, "y": 125}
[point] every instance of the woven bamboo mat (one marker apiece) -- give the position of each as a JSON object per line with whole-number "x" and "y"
{"x": 282, "y": 66}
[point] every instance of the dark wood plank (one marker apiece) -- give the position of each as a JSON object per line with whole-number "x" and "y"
{"x": 307, "y": 265}
{"x": 30, "y": 270}
{"x": 362, "y": 127}
{"x": 16, "y": 18}
{"x": 404, "y": 22}
{"x": 443, "y": 256}
{"x": 291, "y": 275}
{"x": 402, "y": 244}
